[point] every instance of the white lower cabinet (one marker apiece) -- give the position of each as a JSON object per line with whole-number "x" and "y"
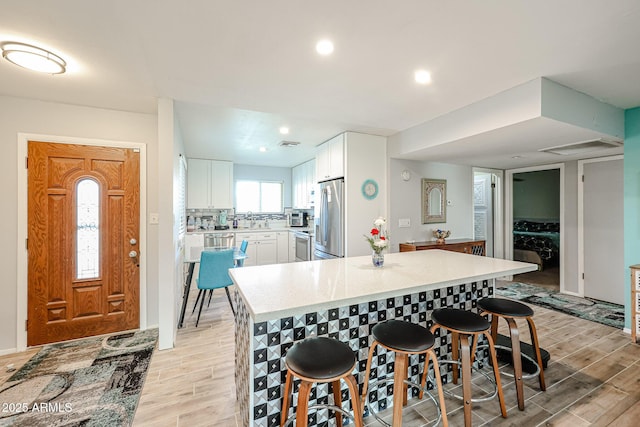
{"x": 262, "y": 248}
{"x": 282, "y": 238}
{"x": 292, "y": 247}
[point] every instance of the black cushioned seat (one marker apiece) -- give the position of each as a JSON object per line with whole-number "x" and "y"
{"x": 320, "y": 358}
{"x": 460, "y": 320}
{"x": 403, "y": 336}
{"x": 505, "y": 307}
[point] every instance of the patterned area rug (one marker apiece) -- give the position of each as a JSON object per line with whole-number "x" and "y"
{"x": 584, "y": 308}
{"x": 89, "y": 382}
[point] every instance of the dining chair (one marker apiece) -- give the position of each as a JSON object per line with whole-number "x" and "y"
{"x": 214, "y": 274}
{"x": 243, "y": 249}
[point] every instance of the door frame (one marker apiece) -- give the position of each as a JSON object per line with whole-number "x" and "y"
{"x": 508, "y": 225}
{"x": 497, "y": 200}
{"x": 581, "y": 164}
{"x": 22, "y": 221}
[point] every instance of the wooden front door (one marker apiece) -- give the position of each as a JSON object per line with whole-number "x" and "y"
{"x": 83, "y": 224}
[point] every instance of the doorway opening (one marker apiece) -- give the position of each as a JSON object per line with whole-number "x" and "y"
{"x": 534, "y": 227}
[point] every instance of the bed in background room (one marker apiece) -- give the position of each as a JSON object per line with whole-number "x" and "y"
{"x": 536, "y": 241}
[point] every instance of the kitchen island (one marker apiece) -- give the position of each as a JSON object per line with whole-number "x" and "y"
{"x": 343, "y": 298}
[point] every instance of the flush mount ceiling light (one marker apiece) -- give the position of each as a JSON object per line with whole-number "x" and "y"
{"x": 33, "y": 58}
{"x": 263, "y": 149}
{"x": 422, "y": 76}
{"x": 284, "y": 130}
{"x": 324, "y": 47}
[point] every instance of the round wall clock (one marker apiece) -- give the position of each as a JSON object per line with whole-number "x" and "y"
{"x": 369, "y": 189}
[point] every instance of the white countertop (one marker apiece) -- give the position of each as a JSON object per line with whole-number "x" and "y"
{"x": 282, "y": 290}
{"x": 250, "y": 230}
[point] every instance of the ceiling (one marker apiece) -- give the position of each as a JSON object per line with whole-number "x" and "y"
{"x": 238, "y": 71}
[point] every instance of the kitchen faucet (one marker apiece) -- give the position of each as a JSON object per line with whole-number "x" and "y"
{"x": 252, "y": 220}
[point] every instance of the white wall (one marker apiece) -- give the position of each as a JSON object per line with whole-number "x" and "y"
{"x": 365, "y": 158}
{"x": 570, "y": 224}
{"x": 18, "y": 115}
{"x": 405, "y": 200}
{"x": 169, "y": 260}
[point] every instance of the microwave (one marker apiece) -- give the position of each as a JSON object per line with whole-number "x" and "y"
{"x": 299, "y": 219}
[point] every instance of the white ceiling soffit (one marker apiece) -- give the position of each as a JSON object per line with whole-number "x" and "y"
{"x": 582, "y": 147}
{"x": 511, "y": 129}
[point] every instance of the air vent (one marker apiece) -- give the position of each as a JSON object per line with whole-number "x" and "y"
{"x": 582, "y": 147}
{"x": 288, "y": 143}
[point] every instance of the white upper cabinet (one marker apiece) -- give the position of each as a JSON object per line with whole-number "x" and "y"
{"x": 198, "y": 183}
{"x": 221, "y": 184}
{"x": 303, "y": 179}
{"x": 209, "y": 184}
{"x": 330, "y": 159}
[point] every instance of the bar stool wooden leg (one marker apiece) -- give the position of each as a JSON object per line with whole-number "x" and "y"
{"x": 285, "y": 399}
{"x": 367, "y": 373}
{"x": 355, "y": 404}
{"x": 536, "y": 346}
{"x": 400, "y": 365}
{"x": 302, "y": 418}
{"x": 431, "y": 355}
{"x": 496, "y": 373}
{"x": 337, "y": 400}
{"x": 494, "y": 327}
{"x": 517, "y": 360}
{"x": 454, "y": 355}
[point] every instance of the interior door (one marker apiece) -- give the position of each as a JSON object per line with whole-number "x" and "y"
{"x": 603, "y": 213}
{"x": 83, "y": 231}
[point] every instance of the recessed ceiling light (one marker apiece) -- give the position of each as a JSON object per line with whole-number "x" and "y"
{"x": 263, "y": 149}
{"x": 284, "y": 130}
{"x": 33, "y": 58}
{"x": 324, "y": 47}
{"x": 423, "y": 77}
{"x": 516, "y": 157}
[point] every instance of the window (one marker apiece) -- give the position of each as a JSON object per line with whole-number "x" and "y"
{"x": 87, "y": 229}
{"x": 259, "y": 196}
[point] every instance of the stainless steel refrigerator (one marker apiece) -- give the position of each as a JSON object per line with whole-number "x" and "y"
{"x": 329, "y": 220}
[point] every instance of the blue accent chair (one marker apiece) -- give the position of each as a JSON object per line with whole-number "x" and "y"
{"x": 243, "y": 249}
{"x": 214, "y": 274}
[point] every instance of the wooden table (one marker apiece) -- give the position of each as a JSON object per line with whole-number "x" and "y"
{"x": 467, "y": 246}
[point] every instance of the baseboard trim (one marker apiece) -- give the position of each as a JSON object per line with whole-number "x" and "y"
{"x": 8, "y": 351}
{"x": 627, "y": 331}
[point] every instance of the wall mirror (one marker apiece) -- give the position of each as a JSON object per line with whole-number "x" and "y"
{"x": 434, "y": 200}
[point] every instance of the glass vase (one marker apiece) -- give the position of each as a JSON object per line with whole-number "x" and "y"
{"x": 377, "y": 258}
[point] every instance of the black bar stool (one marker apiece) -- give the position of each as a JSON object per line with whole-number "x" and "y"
{"x": 404, "y": 339}
{"x": 510, "y": 310}
{"x": 464, "y": 325}
{"x": 320, "y": 360}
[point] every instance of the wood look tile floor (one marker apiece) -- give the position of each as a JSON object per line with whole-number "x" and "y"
{"x": 593, "y": 378}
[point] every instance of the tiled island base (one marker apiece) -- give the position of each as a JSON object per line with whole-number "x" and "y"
{"x": 261, "y": 347}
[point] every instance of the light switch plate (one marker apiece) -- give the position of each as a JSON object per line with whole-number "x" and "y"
{"x": 154, "y": 218}
{"x": 404, "y": 222}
